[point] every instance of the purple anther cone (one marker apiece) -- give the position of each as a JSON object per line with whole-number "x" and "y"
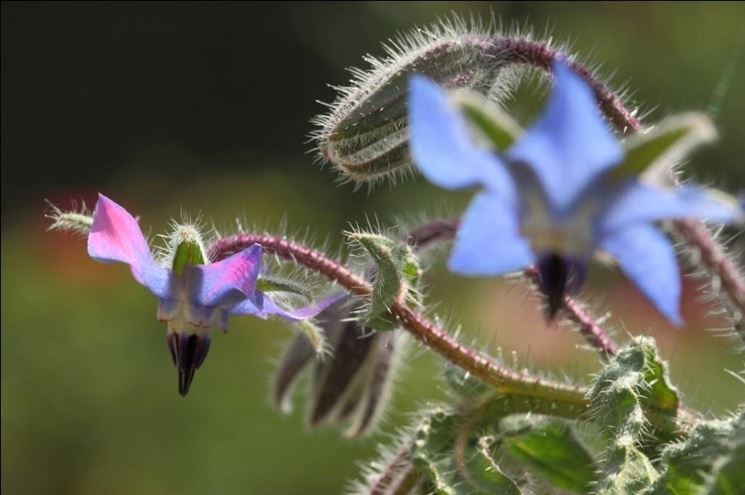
{"x": 188, "y": 353}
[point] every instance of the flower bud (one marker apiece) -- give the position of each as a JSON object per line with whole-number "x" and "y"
{"x": 364, "y": 134}
{"x": 350, "y": 386}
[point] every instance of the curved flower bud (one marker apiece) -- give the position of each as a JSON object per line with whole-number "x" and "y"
{"x": 364, "y": 134}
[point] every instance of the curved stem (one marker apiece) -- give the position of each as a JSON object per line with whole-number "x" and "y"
{"x": 718, "y": 263}
{"x": 539, "y": 54}
{"x": 481, "y": 366}
{"x": 442, "y": 230}
{"x": 522, "y": 386}
{"x": 716, "y": 260}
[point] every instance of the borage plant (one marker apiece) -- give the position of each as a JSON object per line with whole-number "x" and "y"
{"x": 585, "y": 181}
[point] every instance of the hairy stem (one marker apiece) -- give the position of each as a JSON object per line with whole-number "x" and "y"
{"x": 719, "y": 265}
{"x": 540, "y": 55}
{"x": 481, "y": 366}
{"x": 442, "y": 230}
{"x": 525, "y": 388}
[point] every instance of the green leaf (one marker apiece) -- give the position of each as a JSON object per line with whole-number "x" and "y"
{"x": 270, "y": 284}
{"x": 487, "y": 118}
{"x": 549, "y": 448}
{"x": 396, "y": 279}
{"x": 668, "y": 141}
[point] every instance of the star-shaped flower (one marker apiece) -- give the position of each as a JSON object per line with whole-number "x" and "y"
{"x": 194, "y": 295}
{"x": 556, "y": 196}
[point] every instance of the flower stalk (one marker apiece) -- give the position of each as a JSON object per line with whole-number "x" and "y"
{"x": 481, "y": 366}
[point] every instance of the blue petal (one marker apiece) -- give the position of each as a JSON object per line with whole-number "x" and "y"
{"x": 226, "y": 282}
{"x": 647, "y": 258}
{"x": 115, "y": 236}
{"x": 570, "y": 144}
{"x": 488, "y": 240}
{"x": 442, "y": 147}
{"x": 640, "y": 202}
{"x": 264, "y": 307}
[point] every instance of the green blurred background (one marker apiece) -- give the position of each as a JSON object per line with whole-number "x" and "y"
{"x": 206, "y": 107}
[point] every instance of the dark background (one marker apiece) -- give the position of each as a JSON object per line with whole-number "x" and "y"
{"x": 206, "y": 107}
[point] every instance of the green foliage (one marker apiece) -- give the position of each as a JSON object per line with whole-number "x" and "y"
{"x": 549, "y": 448}
{"x": 633, "y": 385}
{"x": 396, "y": 278}
{"x": 627, "y": 471}
{"x": 728, "y": 470}
{"x": 688, "y": 462}
{"x": 453, "y": 461}
{"x": 631, "y": 389}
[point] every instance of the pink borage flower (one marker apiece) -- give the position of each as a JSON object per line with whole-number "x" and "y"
{"x": 194, "y": 296}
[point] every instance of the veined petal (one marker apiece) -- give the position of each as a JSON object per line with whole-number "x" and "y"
{"x": 264, "y": 307}
{"x": 115, "y": 236}
{"x": 442, "y": 148}
{"x": 570, "y": 145}
{"x": 647, "y": 258}
{"x": 639, "y": 202}
{"x": 226, "y": 282}
{"x": 306, "y": 313}
{"x": 488, "y": 241}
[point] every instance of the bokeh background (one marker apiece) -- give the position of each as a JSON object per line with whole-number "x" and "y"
{"x": 206, "y": 107}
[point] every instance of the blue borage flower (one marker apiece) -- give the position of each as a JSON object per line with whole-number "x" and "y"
{"x": 552, "y": 199}
{"x": 194, "y": 295}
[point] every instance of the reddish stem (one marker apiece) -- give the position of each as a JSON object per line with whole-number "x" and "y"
{"x": 426, "y": 332}
{"x": 539, "y": 54}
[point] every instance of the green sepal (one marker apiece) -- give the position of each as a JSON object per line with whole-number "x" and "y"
{"x": 188, "y": 252}
{"x": 549, "y": 448}
{"x": 396, "y": 278}
{"x": 669, "y": 140}
{"x": 499, "y": 129}
{"x": 270, "y": 284}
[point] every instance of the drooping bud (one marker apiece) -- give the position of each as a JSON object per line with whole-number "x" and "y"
{"x": 352, "y": 384}
{"x": 364, "y": 134}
